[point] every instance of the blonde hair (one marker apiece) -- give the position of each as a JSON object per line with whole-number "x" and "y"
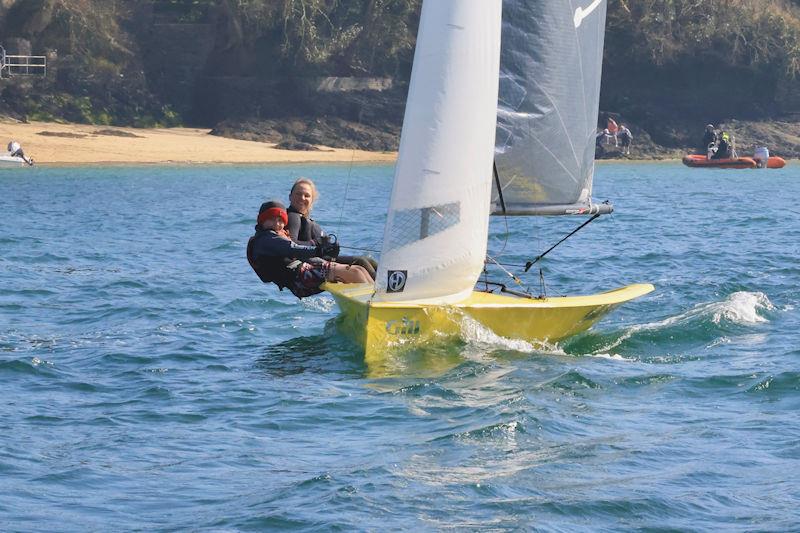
{"x": 301, "y": 180}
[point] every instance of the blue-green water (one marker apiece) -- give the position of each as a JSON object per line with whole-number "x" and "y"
{"x": 149, "y": 381}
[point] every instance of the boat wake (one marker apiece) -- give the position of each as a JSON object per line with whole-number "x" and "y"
{"x": 480, "y": 339}
{"x": 704, "y": 322}
{"x": 709, "y": 323}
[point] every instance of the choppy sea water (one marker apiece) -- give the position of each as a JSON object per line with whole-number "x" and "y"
{"x": 150, "y": 382}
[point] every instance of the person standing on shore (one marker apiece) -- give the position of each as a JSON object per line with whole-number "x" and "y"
{"x": 613, "y": 129}
{"x": 625, "y": 137}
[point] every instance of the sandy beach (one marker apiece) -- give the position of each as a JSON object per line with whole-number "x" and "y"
{"x": 59, "y": 144}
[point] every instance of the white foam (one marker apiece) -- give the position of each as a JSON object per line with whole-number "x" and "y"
{"x": 739, "y": 308}
{"x": 479, "y": 336}
{"x": 719, "y": 342}
{"x": 612, "y": 357}
{"x": 324, "y": 304}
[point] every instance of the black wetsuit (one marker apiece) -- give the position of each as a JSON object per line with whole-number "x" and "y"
{"x": 271, "y": 255}
{"x": 305, "y": 231}
{"x": 723, "y": 150}
{"x": 709, "y": 137}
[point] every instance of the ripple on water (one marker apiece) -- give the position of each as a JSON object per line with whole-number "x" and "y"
{"x": 569, "y": 381}
{"x": 31, "y": 367}
{"x": 777, "y": 386}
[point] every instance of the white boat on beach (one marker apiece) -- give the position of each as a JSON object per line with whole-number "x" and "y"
{"x": 7, "y": 161}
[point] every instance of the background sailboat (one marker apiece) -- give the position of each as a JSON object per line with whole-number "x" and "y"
{"x": 435, "y": 237}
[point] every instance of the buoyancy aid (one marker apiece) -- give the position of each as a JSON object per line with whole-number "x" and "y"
{"x": 304, "y": 230}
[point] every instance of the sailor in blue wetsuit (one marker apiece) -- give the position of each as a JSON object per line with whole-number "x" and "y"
{"x": 304, "y": 230}
{"x": 300, "y": 268}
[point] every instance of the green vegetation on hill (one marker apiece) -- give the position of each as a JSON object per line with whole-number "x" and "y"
{"x": 758, "y": 34}
{"x": 670, "y": 65}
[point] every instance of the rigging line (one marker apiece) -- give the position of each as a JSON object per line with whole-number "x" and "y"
{"x": 512, "y": 276}
{"x": 346, "y": 190}
{"x": 360, "y": 248}
{"x": 502, "y": 204}
{"x": 542, "y": 286}
{"x": 499, "y": 188}
{"x": 529, "y": 264}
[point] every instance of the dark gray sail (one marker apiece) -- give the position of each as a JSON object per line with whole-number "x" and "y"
{"x": 550, "y": 69}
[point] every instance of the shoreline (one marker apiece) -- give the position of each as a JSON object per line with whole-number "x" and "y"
{"x": 58, "y": 144}
{"x": 65, "y": 144}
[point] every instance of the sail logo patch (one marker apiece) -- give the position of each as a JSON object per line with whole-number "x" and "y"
{"x": 397, "y": 280}
{"x": 582, "y": 13}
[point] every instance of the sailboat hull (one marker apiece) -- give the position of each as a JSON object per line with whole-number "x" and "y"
{"x": 381, "y": 326}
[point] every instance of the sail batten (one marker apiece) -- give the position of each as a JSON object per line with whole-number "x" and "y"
{"x": 550, "y": 71}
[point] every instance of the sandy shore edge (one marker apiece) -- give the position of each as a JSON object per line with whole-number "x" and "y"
{"x": 80, "y": 144}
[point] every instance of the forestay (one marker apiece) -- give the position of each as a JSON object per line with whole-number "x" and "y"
{"x": 551, "y": 65}
{"x": 435, "y": 237}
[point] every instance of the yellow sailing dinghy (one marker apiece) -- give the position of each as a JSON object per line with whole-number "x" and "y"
{"x": 540, "y": 143}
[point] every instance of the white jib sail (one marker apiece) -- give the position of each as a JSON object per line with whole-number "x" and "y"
{"x": 434, "y": 242}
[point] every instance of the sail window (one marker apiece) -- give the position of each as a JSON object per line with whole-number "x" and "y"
{"x": 413, "y": 225}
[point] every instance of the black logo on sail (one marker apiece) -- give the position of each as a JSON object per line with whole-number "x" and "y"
{"x": 397, "y": 280}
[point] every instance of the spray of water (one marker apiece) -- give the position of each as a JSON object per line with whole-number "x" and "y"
{"x": 742, "y": 308}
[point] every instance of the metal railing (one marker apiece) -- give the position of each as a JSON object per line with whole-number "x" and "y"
{"x": 21, "y": 65}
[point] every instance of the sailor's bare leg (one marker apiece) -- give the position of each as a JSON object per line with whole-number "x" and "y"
{"x": 348, "y": 274}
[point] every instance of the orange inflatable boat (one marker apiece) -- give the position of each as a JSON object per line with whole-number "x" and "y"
{"x": 701, "y": 161}
{"x": 776, "y": 162}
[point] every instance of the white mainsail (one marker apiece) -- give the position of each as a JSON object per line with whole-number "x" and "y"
{"x": 434, "y": 242}
{"x": 550, "y": 72}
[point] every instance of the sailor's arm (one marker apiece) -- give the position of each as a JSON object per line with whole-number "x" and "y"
{"x": 274, "y": 246}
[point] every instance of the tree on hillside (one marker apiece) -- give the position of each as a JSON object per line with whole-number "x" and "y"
{"x": 751, "y": 33}
{"x": 349, "y": 37}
